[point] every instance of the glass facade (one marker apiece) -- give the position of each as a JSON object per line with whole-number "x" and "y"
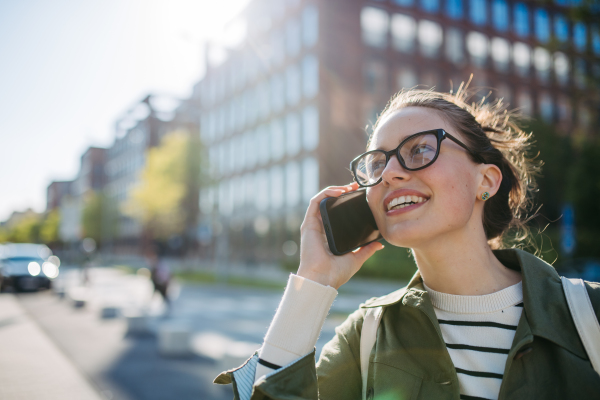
{"x": 431, "y": 6}
{"x": 374, "y": 26}
{"x": 542, "y": 25}
{"x": 478, "y": 12}
{"x": 404, "y": 31}
{"x": 561, "y": 28}
{"x": 454, "y": 9}
{"x": 580, "y": 36}
{"x": 521, "y": 19}
{"x": 500, "y": 15}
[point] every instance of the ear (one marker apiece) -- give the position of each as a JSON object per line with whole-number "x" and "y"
{"x": 491, "y": 178}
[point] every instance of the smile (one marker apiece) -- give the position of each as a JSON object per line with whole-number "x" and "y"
{"x": 404, "y": 201}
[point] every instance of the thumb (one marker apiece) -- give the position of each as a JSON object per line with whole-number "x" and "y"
{"x": 364, "y": 253}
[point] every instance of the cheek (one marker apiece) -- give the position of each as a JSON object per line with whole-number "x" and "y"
{"x": 454, "y": 191}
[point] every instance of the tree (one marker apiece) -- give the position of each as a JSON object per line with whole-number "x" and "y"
{"x": 92, "y": 215}
{"x": 165, "y": 201}
{"x": 49, "y": 229}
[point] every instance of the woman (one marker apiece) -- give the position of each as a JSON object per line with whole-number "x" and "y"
{"x": 474, "y": 322}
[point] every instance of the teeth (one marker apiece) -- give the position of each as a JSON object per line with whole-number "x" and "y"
{"x": 403, "y": 201}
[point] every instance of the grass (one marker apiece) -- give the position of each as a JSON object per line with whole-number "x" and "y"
{"x": 202, "y": 277}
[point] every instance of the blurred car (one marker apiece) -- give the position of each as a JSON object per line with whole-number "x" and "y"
{"x": 27, "y": 267}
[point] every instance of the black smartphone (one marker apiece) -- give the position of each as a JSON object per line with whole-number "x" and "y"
{"x": 348, "y": 222}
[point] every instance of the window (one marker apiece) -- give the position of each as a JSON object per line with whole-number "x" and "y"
{"x": 207, "y": 200}
{"x": 542, "y": 62}
{"x": 454, "y": 9}
{"x": 454, "y": 45}
{"x": 431, "y": 6}
{"x": 404, "y": 3}
{"x": 251, "y": 106}
{"x": 292, "y": 37}
{"x": 225, "y": 198}
{"x": 277, "y": 139}
{"x": 251, "y": 148}
{"x": 404, "y": 29}
{"x": 374, "y": 24}
{"x": 277, "y": 47}
{"x": 500, "y": 53}
{"x": 596, "y": 40}
{"x": 375, "y": 77}
{"x": 261, "y": 190}
{"x": 292, "y": 134}
{"x": 277, "y": 190}
{"x": 579, "y": 73}
{"x": 292, "y": 77}
{"x": 563, "y": 108}
{"x": 561, "y": 68}
{"x": 430, "y": 37}
{"x": 561, "y": 28}
{"x": 310, "y": 26}
{"x": 524, "y": 102}
{"x": 231, "y": 156}
{"x": 580, "y": 36}
{"x": 239, "y": 158}
{"x": 406, "y": 78}
{"x": 310, "y": 76}
{"x": 546, "y": 107}
{"x": 478, "y": 47}
{"x": 500, "y": 15}
{"x": 310, "y": 128}
{"x": 264, "y": 99}
{"x": 292, "y": 184}
{"x": 249, "y": 189}
{"x": 478, "y": 12}
{"x": 521, "y": 19}
{"x": 542, "y": 25}
{"x": 277, "y": 92}
{"x": 310, "y": 178}
{"x": 522, "y": 58}
{"x": 263, "y": 136}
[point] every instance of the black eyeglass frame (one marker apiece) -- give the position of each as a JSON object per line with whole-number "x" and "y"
{"x": 440, "y": 135}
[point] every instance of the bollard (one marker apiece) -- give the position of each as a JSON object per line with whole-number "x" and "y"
{"x": 137, "y": 324}
{"x": 174, "y": 340}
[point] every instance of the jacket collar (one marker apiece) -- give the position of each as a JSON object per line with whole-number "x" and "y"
{"x": 544, "y": 301}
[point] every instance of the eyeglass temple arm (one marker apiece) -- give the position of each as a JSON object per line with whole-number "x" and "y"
{"x": 461, "y": 144}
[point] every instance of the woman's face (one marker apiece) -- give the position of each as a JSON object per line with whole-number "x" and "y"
{"x": 445, "y": 192}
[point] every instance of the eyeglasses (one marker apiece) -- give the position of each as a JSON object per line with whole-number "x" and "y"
{"x": 416, "y": 152}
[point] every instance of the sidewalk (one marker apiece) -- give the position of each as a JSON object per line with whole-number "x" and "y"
{"x": 31, "y": 366}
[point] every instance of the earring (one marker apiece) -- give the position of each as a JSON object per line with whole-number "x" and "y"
{"x": 485, "y": 196}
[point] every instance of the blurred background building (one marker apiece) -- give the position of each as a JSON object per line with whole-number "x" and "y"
{"x": 280, "y": 112}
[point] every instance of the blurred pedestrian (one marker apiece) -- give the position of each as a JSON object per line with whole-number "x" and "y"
{"x": 160, "y": 273}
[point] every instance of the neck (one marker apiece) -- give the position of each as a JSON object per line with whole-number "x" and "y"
{"x": 446, "y": 267}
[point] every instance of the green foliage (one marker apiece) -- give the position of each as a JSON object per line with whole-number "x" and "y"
{"x": 166, "y": 200}
{"x": 25, "y": 230}
{"x": 390, "y": 263}
{"x": 571, "y": 173}
{"x": 49, "y": 229}
{"x": 92, "y": 215}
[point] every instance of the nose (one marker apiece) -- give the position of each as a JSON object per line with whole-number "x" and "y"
{"x": 394, "y": 172}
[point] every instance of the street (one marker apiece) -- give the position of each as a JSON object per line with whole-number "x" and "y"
{"x": 227, "y": 324}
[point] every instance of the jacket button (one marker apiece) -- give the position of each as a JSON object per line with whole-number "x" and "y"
{"x": 522, "y": 352}
{"x": 370, "y": 393}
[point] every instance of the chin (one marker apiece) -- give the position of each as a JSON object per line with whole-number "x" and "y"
{"x": 404, "y": 237}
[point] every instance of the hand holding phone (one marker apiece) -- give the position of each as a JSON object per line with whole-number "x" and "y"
{"x": 317, "y": 262}
{"x": 348, "y": 222}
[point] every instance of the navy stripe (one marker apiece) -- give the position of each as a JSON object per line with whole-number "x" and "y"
{"x": 476, "y": 323}
{"x": 477, "y": 348}
{"x": 465, "y": 397}
{"x": 519, "y": 305}
{"x": 479, "y": 374}
{"x": 268, "y": 364}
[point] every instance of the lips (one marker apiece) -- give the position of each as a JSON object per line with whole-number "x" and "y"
{"x": 403, "y": 198}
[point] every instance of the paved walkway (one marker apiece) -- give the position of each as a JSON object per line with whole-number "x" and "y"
{"x": 31, "y": 366}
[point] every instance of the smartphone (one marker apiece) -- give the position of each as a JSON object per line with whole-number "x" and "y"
{"x": 348, "y": 222}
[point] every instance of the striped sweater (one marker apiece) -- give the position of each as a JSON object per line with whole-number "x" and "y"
{"x": 479, "y": 331}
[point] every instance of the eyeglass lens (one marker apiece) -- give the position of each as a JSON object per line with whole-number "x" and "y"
{"x": 417, "y": 152}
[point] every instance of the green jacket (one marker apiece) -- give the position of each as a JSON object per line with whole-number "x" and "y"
{"x": 410, "y": 361}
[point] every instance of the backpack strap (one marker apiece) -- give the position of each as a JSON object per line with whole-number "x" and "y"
{"x": 368, "y": 337}
{"x": 584, "y": 318}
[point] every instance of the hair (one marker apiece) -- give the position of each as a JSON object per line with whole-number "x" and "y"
{"x": 492, "y": 131}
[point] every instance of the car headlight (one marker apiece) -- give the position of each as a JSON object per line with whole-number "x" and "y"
{"x": 34, "y": 268}
{"x": 50, "y": 270}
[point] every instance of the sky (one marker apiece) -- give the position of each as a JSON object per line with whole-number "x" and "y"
{"x": 70, "y": 68}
